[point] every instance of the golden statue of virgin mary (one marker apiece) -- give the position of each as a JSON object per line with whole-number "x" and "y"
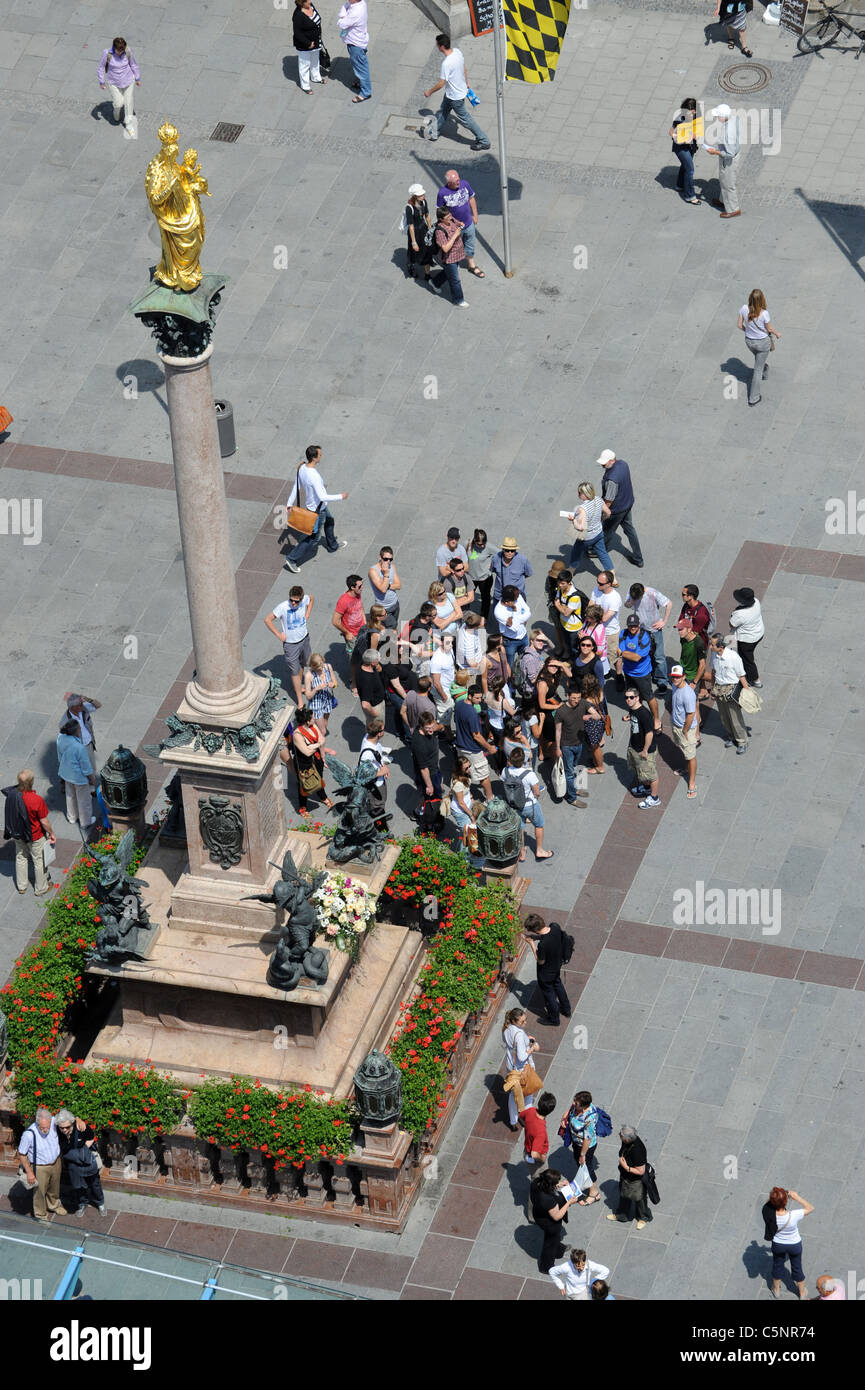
{"x": 173, "y": 192}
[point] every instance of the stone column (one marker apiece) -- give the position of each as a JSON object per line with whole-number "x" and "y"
{"x": 222, "y": 694}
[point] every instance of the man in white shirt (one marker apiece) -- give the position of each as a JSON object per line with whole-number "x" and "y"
{"x": 456, "y": 84}
{"x": 39, "y": 1154}
{"x": 728, "y": 674}
{"x": 518, "y": 774}
{"x": 309, "y": 492}
{"x": 512, "y": 614}
{"x": 293, "y": 632}
{"x": 372, "y": 751}
{"x": 575, "y": 1277}
{"x": 729, "y": 158}
{"x": 354, "y": 32}
{"x": 442, "y": 669}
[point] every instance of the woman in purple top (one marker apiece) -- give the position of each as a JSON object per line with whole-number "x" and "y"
{"x": 119, "y": 69}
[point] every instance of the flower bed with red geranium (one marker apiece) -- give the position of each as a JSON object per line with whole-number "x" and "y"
{"x": 295, "y": 1127}
{"x": 426, "y": 876}
{"x": 478, "y": 928}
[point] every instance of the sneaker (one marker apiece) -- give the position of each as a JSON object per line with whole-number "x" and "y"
{"x": 290, "y": 565}
{"x": 580, "y": 805}
{"x": 102, "y": 1208}
{"x": 640, "y": 1225}
{"x": 463, "y": 304}
{"x": 639, "y": 790}
{"x": 81, "y": 1210}
{"x": 728, "y": 743}
{"x": 741, "y": 747}
{"x": 758, "y": 685}
{"x": 478, "y": 146}
{"x": 650, "y": 801}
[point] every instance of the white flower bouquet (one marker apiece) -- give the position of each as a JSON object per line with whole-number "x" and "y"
{"x": 346, "y": 910}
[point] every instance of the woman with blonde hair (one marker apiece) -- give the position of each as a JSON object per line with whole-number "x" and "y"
{"x": 448, "y": 609}
{"x": 319, "y": 683}
{"x": 587, "y": 518}
{"x": 519, "y": 1047}
{"x": 755, "y": 324}
{"x": 371, "y": 636}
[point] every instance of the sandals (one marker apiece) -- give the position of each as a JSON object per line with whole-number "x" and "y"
{"x": 747, "y": 52}
{"x": 476, "y": 270}
{"x": 587, "y": 1201}
{"x": 356, "y": 100}
{"x": 692, "y": 793}
{"x": 539, "y": 858}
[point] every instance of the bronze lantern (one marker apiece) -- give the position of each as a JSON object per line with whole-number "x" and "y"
{"x": 378, "y": 1090}
{"x": 123, "y": 780}
{"x": 500, "y": 832}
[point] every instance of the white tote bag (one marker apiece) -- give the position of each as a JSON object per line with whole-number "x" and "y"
{"x": 49, "y": 853}
{"x": 750, "y": 701}
{"x": 557, "y": 780}
{"x": 583, "y": 1180}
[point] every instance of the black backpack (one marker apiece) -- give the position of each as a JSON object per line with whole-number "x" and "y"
{"x": 16, "y": 821}
{"x": 568, "y": 944}
{"x": 515, "y": 793}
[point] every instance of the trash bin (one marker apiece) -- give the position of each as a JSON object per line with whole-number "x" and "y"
{"x": 225, "y": 426}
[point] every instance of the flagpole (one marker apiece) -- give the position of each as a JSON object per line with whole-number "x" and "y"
{"x": 498, "y": 40}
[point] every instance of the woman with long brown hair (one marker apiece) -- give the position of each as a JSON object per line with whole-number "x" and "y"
{"x": 304, "y": 749}
{"x": 755, "y": 324}
{"x": 782, "y": 1228}
{"x": 548, "y": 700}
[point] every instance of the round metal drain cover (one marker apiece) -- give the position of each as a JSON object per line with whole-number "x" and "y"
{"x": 745, "y": 78}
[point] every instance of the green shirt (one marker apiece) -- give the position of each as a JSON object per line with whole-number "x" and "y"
{"x": 693, "y": 653}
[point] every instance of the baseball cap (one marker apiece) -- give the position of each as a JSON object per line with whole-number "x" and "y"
{"x": 677, "y": 670}
{"x": 454, "y": 533}
{"x": 683, "y": 623}
{"x": 416, "y": 190}
{"x": 606, "y": 457}
{"x": 633, "y": 621}
{"x": 723, "y": 111}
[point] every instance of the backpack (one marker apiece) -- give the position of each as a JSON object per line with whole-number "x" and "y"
{"x": 710, "y": 609}
{"x": 519, "y": 680}
{"x": 603, "y": 1123}
{"x": 515, "y": 792}
{"x": 568, "y": 944}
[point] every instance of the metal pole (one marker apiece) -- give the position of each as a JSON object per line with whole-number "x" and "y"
{"x": 498, "y": 41}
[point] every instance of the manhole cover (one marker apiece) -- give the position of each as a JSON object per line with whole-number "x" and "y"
{"x": 226, "y": 132}
{"x": 745, "y": 78}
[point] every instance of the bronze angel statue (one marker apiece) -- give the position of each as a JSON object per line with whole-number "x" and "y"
{"x": 295, "y": 955}
{"x": 360, "y": 833}
{"x": 121, "y": 913}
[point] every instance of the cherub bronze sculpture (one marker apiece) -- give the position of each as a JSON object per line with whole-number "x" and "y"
{"x": 295, "y": 956}
{"x": 121, "y": 914}
{"x": 360, "y": 834}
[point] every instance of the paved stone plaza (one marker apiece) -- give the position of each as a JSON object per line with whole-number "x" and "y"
{"x": 714, "y": 1040}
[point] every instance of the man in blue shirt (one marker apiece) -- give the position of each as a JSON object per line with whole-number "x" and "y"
{"x": 509, "y": 567}
{"x": 685, "y": 728}
{"x": 617, "y": 495}
{"x": 469, "y": 739}
{"x": 635, "y": 649}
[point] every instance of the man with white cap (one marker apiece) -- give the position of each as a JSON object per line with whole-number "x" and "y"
{"x": 729, "y": 155}
{"x": 686, "y": 729}
{"x": 617, "y": 495}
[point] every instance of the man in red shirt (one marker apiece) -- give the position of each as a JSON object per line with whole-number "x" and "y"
{"x": 696, "y": 612}
{"x": 534, "y": 1121}
{"x": 349, "y": 616}
{"x": 41, "y": 834}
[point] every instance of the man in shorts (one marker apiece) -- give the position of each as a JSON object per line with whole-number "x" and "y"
{"x": 469, "y": 738}
{"x": 293, "y": 633}
{"x": 684, "y": 712}
{"x": 642, "y": 758}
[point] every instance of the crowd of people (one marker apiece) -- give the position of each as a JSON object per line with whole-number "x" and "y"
{"x": 478, "y": 690}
